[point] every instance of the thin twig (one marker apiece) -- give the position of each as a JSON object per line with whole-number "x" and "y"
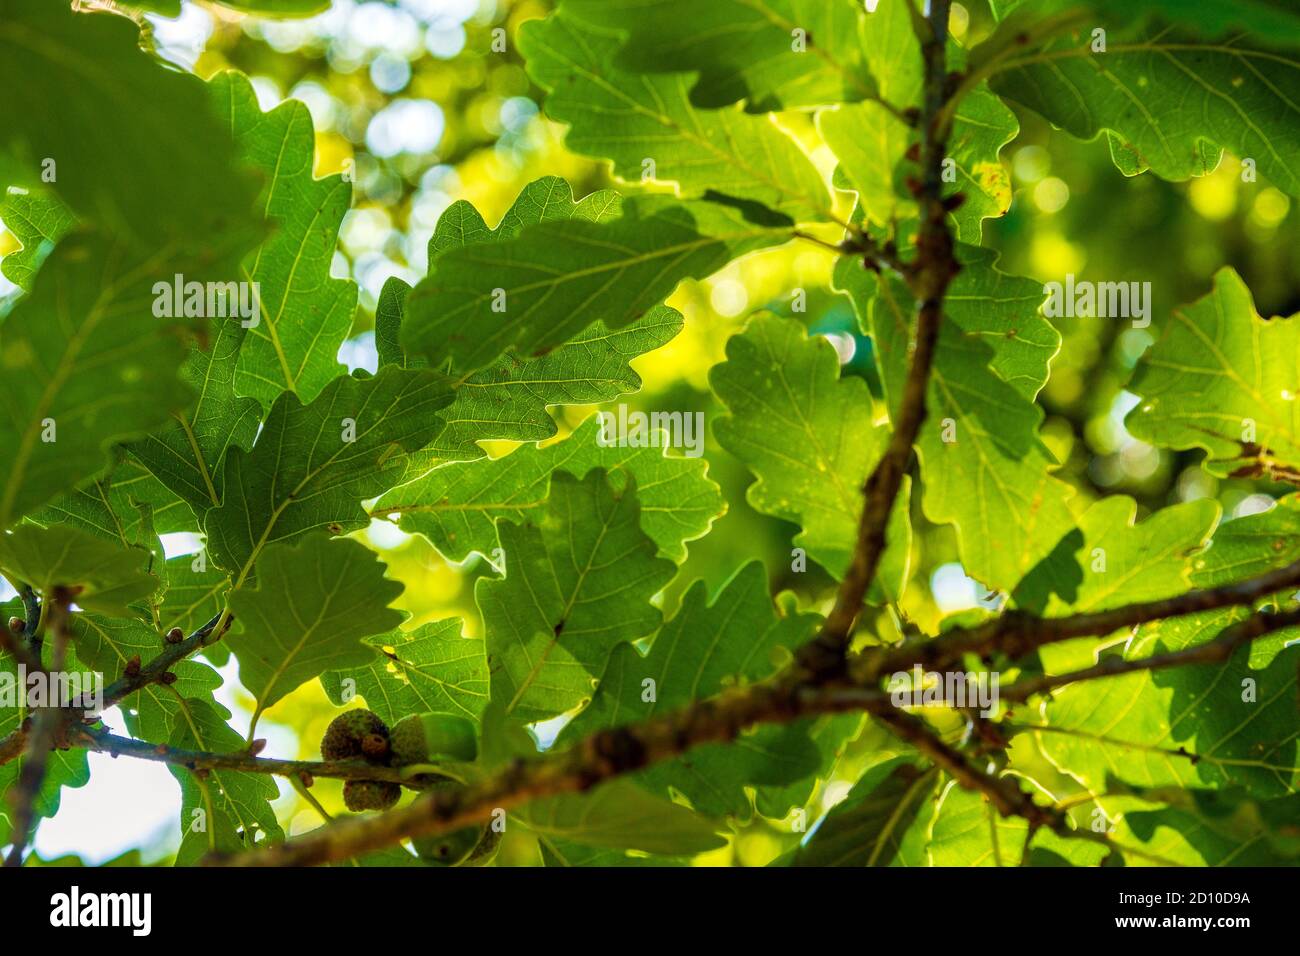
{"x": 116, "y": 746}
{"x": 1211, "y": 652}
{"x": 153, "y": 672}
{"x": 1016, "y": 633}
{"x": 1002, "y": 792}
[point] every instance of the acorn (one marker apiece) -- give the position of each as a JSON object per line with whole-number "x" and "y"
{"x": 449, "y": 849}
{"x": 429, "y": 738}
{"x": 359, "y": 795}
{"x": 356, "y": 734}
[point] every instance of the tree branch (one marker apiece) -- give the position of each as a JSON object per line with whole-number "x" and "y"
{"x": 603, "y": 756}
{"x": 1016, "y": 633}
{"x": 40, "y": 741}
{"x": 1003, "y": 792}
{"x": 791, "y": 695}
{"x": 153, "y": 672}
{"x": 928, "y": 276}
{"x": 1211, "y": 652}
{"x": 12, "y": 746}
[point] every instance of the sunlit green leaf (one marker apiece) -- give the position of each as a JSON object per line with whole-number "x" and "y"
{"x": 103, "y": 576}
{"x": 305, "y": 314}
{"x": 313, "y": 604}
{"x": 578, "y": 582}
{"x": 1223, "y": 379}
{"x": 704, "y": 648}
{"x": 312, "y": 465}
{"x": 456, "y": 506}
{"x": 430, "y": 670}
{"x": 647, "y": 126}
{"x": 743, "y": 49}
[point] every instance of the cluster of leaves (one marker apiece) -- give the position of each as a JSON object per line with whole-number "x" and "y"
{"x": 117, "y": 425}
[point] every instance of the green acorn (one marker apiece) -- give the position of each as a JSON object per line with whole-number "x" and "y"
{"x": 485, "y": 849}
{"x": 429, "y": 738}
{"x": 361, "y": 795}
{"x": 357, "y": 733}
{"x": 449, "y": 849}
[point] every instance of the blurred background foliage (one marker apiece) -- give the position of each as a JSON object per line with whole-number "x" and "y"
{"x": 410, "y": 96}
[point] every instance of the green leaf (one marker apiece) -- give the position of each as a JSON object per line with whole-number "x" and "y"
{"x": 304, "y": 474}
{"x": 993, "y": 478}
{"x": 305, "y": 313}
{"x": 456, "y": 506}
{"x": 87, "y": 365}
{"x": 84, "y": 80}
{"x": 703, "y": 649}
{"x": 63, "y": 768}
{"x": 195, "y": 594}
{"x": 872, "y": 142}
{"x": 882, "y": 821}
{"x": 1165, "y": 93}
{"x": 126, "y": 506}
{"x": 277, "y": 8}
{"x": 38, "y": 222}
{"x": 621, "y": 816}
{"x": 225, "y": 811}
{"x": 968, "y": 831}
{"x": 1223, "y": 379}
{"x": 810, "y": 437}
{"x": 1235, "y": 724}
{"x": 537, "y": 290}
{"x": 187, "y": 456}
{"x": 1246, "y": 547}
{"x": 561, "y": 852}
{"x": 1123, "y": 561}
{"x": 509, "y": 398}
{"x": 1119, "y": 562}
{"x": 830, "y": 734}
{"x": 1222, "y": 828}
{"x": 636, "y": 119}
{"x": 1272, "y": 18}
{"x": 432, "y": 669}
{"x": 578, "y": 582}
{"x": 743, "y": 49}
{"x": 109, "y": 576}
{"x": 313, "y": 604}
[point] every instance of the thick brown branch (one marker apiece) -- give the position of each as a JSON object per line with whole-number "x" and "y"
{"x": 602, "y": 756}
{"x": 612, "y": 753}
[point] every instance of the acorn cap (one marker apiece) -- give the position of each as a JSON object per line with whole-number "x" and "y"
{"x": 359, "y": 795}
{"x": 345, "y": 737}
